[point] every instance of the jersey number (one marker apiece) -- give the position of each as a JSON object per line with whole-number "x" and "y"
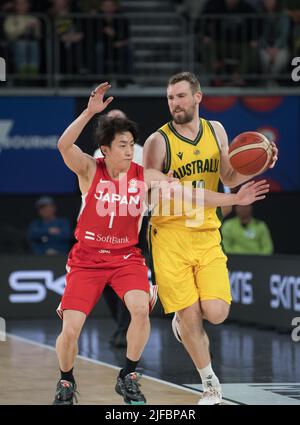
{"x": 198, "y": 184}
{"x": 111, "y": 220}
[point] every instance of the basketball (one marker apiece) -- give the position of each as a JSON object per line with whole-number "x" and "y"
{"x": 250, "y": 153}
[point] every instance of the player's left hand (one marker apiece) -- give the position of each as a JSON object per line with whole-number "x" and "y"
{"x": 252, "y": 191}
{"x": 274, "y": 155}
{"x": 96, "y": 101}
{"x": 171, "y": 178}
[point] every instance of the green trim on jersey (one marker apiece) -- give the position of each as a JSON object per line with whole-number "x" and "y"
{"x": 185, "y": 139}
{"x": 168, "y": 152}
{"x": 214, "y": 134}
{"x": 151, "y": 263}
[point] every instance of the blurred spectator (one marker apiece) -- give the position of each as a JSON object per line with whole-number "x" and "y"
{"x": 245, "y": 234}
{"x": 113, "y": 49}
{"x": 292, "y": 8}
{"x": 48, "y": 234}
{"x": 22, "y": 32}
{"x": 273, "y": 42}
{"x": 88, "y": 6}
{"x": 69, "y": 38}
{"x": 189, "y": 8}
{"x": 227, "y": 44}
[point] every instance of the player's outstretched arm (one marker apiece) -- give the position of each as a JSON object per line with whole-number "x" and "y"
{"x": 229, "y": 176}
{"x": 74, "y": 158}
{"x": 248, "y": 193}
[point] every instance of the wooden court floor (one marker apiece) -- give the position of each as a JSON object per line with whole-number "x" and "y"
{"x": 30, "y": 374}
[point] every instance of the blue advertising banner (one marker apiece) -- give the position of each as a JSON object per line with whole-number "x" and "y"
{"x": 29, "y": 159}
{"x": 276, "y": 117}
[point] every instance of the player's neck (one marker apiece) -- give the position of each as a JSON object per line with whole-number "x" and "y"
{"x": 115, "y": 170}
{"x": 190, "y": 128}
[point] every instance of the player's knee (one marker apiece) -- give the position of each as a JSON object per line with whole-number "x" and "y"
{"x": 139, "y": 312}
{"x": 191, "y": 322}
{"x": 216, "y": 317}
{"x": 70, "y": 334}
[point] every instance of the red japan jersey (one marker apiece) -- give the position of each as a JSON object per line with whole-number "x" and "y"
{"x": 112, "y": 210}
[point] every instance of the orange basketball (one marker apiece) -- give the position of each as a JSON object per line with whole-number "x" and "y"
{"x": 250, "y": 153}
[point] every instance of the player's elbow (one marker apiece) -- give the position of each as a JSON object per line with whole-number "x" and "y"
{"x": 60, "y": 145}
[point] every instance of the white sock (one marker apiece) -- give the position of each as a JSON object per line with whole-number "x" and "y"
{"x": 208, "y": 377}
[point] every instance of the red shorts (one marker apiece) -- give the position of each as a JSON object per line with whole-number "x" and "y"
{"x": 89, "y": 270}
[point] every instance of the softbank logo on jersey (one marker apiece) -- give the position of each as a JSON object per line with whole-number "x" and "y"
{"x": 285, "y": 292}
{"x": 123, "y": 199}
{"x": 32, "y": 285}
{"x": 105, "y": 238}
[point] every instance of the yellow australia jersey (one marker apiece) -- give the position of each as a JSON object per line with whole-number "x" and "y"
{"x": 197, "y": 162}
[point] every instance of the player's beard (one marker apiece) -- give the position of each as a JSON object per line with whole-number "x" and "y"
{"x": 185, "y": 116}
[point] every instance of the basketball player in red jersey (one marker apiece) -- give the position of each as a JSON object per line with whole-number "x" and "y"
{"x": 113, "y": 192}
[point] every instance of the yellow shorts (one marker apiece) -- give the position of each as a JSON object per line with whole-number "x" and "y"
{"x": 188, "y": 265}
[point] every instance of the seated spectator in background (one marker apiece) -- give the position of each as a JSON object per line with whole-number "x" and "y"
{"x": 5, "y": 7}
{"x": 227, "y": 44}
{"x": 49, "y": 234}
{"x": 87, "y": 6}
{"x": 292, "y": 8}
{"x": 68, "y": 36}
{"x": 244, "y": 234}
{"x": 22, "y": 32}
{"x": 273, "y": 42}
{"x": 113, "y": 49}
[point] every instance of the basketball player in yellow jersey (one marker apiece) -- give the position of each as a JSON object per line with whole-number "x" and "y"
{"x": 189, "y": 264}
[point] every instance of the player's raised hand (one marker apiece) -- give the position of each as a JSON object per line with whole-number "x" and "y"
{"x": 96, "y": 101}
{"x": 251, "y": 192}
{"x": 274, "y": 155}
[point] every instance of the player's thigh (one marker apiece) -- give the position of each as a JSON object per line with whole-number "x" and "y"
{"x": 212, "y": 279}
{"x": 83, "y": 289}
{"x": 173, "y": 270}
{"x": 129, "y": 276}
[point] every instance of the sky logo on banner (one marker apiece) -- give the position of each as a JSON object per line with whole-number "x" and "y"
{"x": 2, "y": 69}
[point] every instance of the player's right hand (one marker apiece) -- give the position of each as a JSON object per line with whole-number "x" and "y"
{"x": 96, "y": 101}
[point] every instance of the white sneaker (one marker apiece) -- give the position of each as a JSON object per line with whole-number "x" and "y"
{"x": 176, "y": 327}
{"x": 211, "y": 396}
{"x": 152, "y": 297}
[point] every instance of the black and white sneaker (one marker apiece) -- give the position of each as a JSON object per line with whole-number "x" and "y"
{"x": 65, "y": 393}
{"x": 129, "y": 388}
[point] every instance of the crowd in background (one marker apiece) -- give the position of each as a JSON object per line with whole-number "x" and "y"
{"x": 252, "y": 37}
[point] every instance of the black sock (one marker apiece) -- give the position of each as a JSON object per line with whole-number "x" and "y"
{"x": 129, "y": 367}
{"x": 67, "y": 376}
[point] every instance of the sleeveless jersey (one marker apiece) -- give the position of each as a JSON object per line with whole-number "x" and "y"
{"x": 112, "y": 209}
{"x": 195, "y": 161}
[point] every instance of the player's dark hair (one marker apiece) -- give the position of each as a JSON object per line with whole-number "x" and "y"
{"x": 186, "y": 76}
{"x": 108, "y": 127}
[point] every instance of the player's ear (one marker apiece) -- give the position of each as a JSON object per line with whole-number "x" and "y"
{"x": 198, "y": 97}
{"x": 104, "y": 149}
